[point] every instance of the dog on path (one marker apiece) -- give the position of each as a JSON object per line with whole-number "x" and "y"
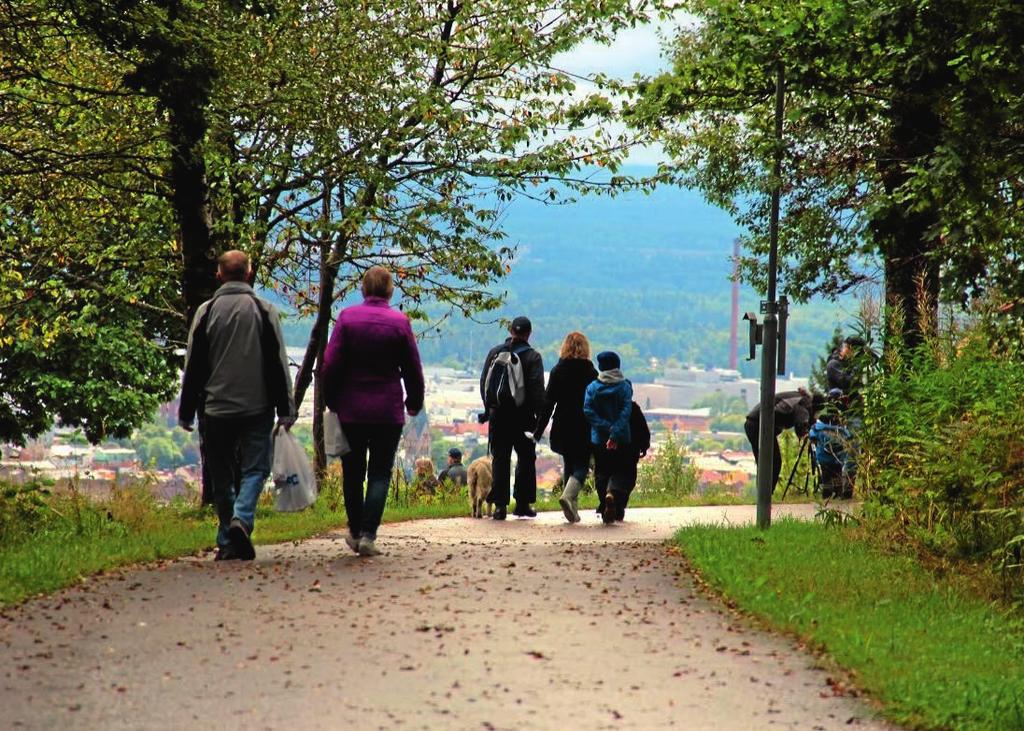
{"x": 479, "y": 478}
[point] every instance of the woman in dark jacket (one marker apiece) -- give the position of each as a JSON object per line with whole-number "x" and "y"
{"x": 371, "y": 355}
{"x": 570, "y": 432}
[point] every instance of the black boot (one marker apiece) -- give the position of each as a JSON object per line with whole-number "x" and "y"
{"x": 523, "y": 510}
{"x": 608, "y": 514}
{"x": 499, "y": 512}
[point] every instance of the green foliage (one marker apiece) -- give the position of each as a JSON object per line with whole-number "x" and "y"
{"x": 23, "y": 508}
{"x": 669, "y": 473}
{"x": 899, "y": 139}
{"x": 943, "y": 453}
{"x": 142, "y": 137}
{"x": 935, "y": 656}
{"x": 163, "y": 447}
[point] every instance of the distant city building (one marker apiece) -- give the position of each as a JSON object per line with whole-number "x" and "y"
{"x": 682, "y": 388}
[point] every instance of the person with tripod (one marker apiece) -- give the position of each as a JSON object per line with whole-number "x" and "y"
{"x": 794, "y": 410}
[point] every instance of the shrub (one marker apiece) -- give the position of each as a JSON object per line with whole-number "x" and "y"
{"x": 23, "y": 508}
{"x": 943, "y": 447}
{"x": 670, "y": 472}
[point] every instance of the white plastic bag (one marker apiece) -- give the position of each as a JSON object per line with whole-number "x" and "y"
{"x": 335, "y": 442}
{"x": 293, "y": 474}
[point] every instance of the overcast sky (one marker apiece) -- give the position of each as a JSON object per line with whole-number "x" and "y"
{"x": 635, "y": 50}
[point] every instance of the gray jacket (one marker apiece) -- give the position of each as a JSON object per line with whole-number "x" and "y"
{"x": 236, "y": 363}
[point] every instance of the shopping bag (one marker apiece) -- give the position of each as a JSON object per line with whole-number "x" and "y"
{"x": 335, "y": 442}
{"x": 294, "y": 483}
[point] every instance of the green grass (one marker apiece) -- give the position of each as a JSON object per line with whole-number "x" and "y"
{"x": 936, "y": 656}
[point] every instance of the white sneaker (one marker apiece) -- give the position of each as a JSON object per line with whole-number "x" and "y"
{"x": 367, "y": 547}
{"x": 352, "y": 542}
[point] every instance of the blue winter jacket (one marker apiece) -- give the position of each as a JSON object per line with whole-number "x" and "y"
{"x": 831, "y": 443}
{"x": 607, "y": 407}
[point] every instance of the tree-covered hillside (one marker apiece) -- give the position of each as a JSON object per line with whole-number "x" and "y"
{"x": 647, "y": 275}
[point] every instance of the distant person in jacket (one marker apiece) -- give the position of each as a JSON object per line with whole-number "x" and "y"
{"x": 840, "y": 369}
{"x": 570, "y": 431}
{"x": 455, "y": 472}
{"x": 371, "y": 354}
{"x": 511, "y": 425}
{"x": 608, "y": 405}
{"x": 236, "y": 375}
{"x": 794, "y": 410}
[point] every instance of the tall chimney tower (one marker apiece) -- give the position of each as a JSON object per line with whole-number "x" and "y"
{"x": 735, "y": 323}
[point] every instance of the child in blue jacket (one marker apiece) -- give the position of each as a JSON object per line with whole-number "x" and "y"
{"x": 607, "y": 404}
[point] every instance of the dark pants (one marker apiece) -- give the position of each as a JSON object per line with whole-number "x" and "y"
{"x": 381, "y": 441}
{"x": 237, "y": 453}
{"x": 753, "y": 429}
{"x": 575, "y": 464}
{"x": 615, "y": 472}
{"x": 503, "y": 439}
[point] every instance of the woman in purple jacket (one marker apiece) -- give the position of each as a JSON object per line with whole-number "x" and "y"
{"x": 372, "y": 351}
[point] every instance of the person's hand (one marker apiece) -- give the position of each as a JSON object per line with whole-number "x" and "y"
{"x": 412, "y": 412}
{"x": 610, "y": 444}
{"x": 285, "y": 422}
{"x": 186, "y": 425}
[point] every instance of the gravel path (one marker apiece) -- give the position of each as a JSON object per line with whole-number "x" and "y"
{"x": 463, "y": 624}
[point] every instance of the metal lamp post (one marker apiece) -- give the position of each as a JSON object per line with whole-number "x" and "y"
{"x": 772, "y": 356}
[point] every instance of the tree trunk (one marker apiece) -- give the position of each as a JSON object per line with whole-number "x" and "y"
{"x": 316, "y": 346}
{"x": 319, "y": 446}
{"x": 907, "y": 237}
{"x": 190, "y": 198}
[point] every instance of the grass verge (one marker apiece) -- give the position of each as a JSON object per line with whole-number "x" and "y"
{"x": 936, "y": 656}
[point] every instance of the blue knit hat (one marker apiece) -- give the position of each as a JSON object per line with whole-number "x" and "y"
{"x": 607, "y": 361}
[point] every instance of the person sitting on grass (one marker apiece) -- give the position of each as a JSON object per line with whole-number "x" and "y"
{"x": 455, "y": 471}
{"x": 608, "y": 404}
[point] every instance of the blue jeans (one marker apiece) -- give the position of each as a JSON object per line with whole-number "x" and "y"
{"x": 238, "y": 446}
{"x": 381, "y": 441}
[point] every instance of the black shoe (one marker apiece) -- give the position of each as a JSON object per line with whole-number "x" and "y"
{"x": 238, "y": 534}
{"x": 608, "y": 514}
{"x": 524, "y": 511}
{"x": 226, "y": 553}
{"x": 499, "y": 513}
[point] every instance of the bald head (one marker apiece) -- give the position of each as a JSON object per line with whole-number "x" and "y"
{"x": 233, "y": 266}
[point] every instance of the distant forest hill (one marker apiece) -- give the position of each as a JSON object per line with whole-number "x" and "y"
{"x": 645, "y": 275}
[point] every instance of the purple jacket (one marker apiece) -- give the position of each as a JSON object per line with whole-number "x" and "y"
{"x": 371, "y": 350}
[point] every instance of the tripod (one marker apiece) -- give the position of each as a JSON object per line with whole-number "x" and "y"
{"x": 805, "y": 447}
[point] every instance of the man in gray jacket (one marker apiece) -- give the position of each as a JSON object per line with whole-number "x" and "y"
{"x": 236, "y": 376}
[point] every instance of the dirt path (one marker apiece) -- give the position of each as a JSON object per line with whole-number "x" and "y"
{"x": 463, "y": 624}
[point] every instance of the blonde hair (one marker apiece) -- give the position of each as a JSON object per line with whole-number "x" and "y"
{"x": 377, "y": 283}
{"x": 424, "y": 467}
{"x": 575, "y": 345}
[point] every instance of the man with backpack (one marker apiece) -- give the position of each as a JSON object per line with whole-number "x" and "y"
{"x": 512, "y": 390}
